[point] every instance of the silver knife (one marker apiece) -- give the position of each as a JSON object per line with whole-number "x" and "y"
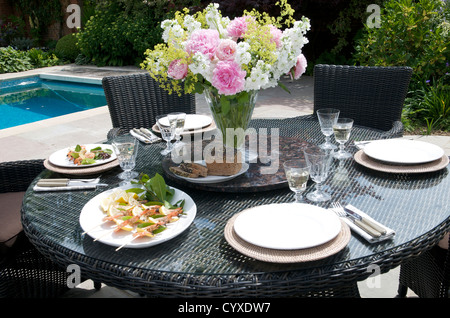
{"x": 366, "y": 221}
{"x": 67, "y": 183}
{"x": 149, "y": 134}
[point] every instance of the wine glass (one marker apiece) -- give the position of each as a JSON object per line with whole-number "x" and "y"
{"x": 297, "y": 175}
{"x": 342, "y": 129}
{"x": 179, "y": 119}
{"x": 319, "y": 161}
{"x": 167, "y": 130}
{"x": 327, "y": 118}
{"x": 126, "y": 149}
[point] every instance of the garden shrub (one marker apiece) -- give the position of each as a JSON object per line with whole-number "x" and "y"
{"x": 415, "y": 34}
{"x": 115, "y": 36}
{"x": 12, "y": 60}
{"x": 67, "y": 48}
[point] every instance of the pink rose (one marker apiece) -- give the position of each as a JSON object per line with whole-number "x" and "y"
{"x": 226, "y": 50}
{"x": 177, "y": 69}
{"x": 204, "y": 41}
{"x": 237, "y": 27}
{"x": 300, "y": 67}
{"x": 228, "y": 77}
{"x": 276, "y": 35}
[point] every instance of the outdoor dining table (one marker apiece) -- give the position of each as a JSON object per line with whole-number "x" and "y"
{"x": 201, "y": 263}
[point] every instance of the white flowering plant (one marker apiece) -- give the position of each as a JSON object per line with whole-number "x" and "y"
{"x": 237, "y": 55}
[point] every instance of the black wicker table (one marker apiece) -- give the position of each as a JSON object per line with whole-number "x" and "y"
{"x": 200, "y": 262}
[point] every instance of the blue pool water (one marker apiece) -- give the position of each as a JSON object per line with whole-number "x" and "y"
{"x": 32, "y": 99}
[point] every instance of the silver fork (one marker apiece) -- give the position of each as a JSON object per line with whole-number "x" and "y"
{"x": 339, "y": 210}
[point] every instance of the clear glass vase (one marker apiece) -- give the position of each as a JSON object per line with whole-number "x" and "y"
{"x": 232, "y": 114}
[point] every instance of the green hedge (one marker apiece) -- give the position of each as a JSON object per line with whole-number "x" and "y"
{"x": 117, "y": 35}
{"x": 12, "y": 60}
{"x": 415, "y": 34}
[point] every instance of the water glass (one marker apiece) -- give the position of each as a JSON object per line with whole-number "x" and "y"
{"x": 179, "y": 119}
{"x": 297, "y": 175}
{"x": 319, "y": 162}
{"x": 342, "y": 130}
{"x": 327, "y": 118}
{"x": 167, "y": 130}
{"x": 126, "y": 149}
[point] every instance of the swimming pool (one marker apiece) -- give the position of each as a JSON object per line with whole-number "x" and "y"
{"x": 30, "y": 99}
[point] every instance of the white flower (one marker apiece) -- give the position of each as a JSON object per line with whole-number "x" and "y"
{"x": 243, "y": 57}
{"x": 259, "y": 76}
{"x": 191, "y": 24}
{"x": 202, "y": 65}
{"x": 172, "y": 30}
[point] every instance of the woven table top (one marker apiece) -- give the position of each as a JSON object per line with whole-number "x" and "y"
{"x": 200, "y": 262}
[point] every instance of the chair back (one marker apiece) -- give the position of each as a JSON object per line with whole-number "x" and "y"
{"x": 371, "y": 96}
{"x": 135, "y": 100}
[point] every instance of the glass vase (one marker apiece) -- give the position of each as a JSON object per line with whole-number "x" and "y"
{"x": 231, "y": 114}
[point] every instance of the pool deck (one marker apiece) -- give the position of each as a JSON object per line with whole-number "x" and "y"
{"x": 38, "y": 140}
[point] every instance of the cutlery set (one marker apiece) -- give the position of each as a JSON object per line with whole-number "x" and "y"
{"x": 366, "y": 224}
{"x": 56, "y": 184}
{"x": 145, "y": 135}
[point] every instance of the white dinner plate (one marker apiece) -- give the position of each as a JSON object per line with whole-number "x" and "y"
{"x": 191, "y": 122}
{"x": 59, "y": 158}
{"x": 287, "y": 226}
{"x": 215, "y": 179}
{"x": 92, "y": 215}
{"x": 402, "y": 151}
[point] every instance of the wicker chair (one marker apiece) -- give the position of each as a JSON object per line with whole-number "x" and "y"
{"x": 24, "y": 272}
{"x": 135, "y": 100}
{"x": 371, "y": 96}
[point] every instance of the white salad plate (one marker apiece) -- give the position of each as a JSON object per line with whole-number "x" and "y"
{"x": 91, "y": 221}
{"x": 402, "y": 151}
{"x": 287, "y": 226}
{"x": 59, "y": 158}
{"x": 191, "y": 122}
{"x": 215, "y": 179}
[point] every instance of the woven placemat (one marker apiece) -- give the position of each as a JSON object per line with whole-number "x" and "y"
{"x": 286, "y": 256}
{"x": 366, "y": 161}
{"x": 81, "y": 171}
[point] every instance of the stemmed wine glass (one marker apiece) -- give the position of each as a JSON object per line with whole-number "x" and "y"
{"x": 327, "y": 118}
{"x": 342, "y": 129}
{"x": 179, "y": 119}
{"x": 297, "y": 175}
{"x": 126, "y": 149}
{"x": 319, "y": 161}
{"x": 167, "y": 130}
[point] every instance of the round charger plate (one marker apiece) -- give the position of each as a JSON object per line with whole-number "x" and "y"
{"x": 287, "y": 256}
{"x": 81, "y": 172}
{"x": 59, "y": 158}
{"x": 403, "y": 151}
{"x": 287, "y": 226}
{"x": 368, "y": 162}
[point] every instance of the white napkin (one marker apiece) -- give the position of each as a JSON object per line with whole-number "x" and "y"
{"x": 144, "y": 139}
{"x": 389, "y": 232}
{"x": 64, "y": 188}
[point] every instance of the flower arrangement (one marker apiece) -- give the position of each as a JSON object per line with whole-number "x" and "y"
{"x": 244, "y": 54}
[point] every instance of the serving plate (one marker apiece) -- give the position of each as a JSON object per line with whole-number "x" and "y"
{"x": 91, "y": 221}
{"x": 287, "y": 226}
{"x": 402, "y": 151}
{"x": 59, "y": 158}
{"x": 215, "y": 179}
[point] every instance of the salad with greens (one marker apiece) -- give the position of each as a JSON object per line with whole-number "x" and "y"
{"x": 82, "y": 156}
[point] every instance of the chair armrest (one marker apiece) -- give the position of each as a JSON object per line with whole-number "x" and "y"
{"x": 395, "y": 132}
{"x": 114, "y": 132}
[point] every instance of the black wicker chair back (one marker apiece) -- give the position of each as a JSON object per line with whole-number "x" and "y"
{"x": 371, "y": 96}
{"x": 135, "y": 100}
